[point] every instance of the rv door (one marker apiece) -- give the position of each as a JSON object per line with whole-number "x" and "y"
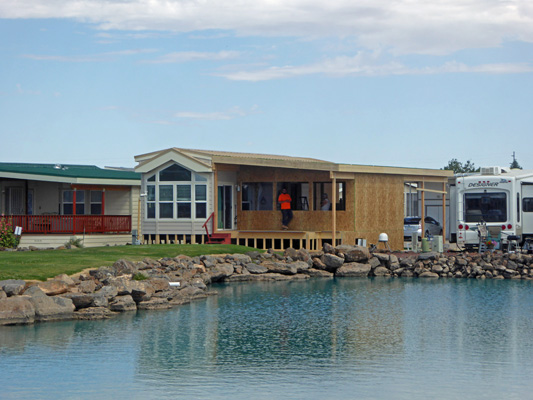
{"x": 527, "y": 209}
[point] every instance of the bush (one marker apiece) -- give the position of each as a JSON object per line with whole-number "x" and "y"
{"x": 7, "y": 237}
{"x": 73, "y": 242}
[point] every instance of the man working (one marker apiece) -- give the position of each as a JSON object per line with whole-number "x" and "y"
{"x": 284, "y": 200}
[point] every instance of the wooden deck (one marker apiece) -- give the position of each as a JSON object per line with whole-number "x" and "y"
{"x": 278, "y": 240}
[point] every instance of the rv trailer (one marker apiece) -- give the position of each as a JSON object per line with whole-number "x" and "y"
{"x": 500, "y": 198}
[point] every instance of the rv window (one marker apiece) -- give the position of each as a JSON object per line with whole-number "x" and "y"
{"x": 527, "y": 204}
{"x": 488, "y": 207}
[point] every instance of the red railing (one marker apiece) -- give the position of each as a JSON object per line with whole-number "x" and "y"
{"x": 75, "y": 224}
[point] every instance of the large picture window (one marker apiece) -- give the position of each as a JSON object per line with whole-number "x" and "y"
{"x": 176, "y": 193}
{"x": 257, "y": 196}
{"x": 323, "y": 196}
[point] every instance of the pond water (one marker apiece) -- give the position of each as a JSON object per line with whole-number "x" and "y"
{"x": 317, "y": 339}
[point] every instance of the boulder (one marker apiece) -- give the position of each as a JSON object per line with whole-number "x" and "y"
{"x": 381, "y": 271}
{"x": 102, "y": 273}
{"x": 241, "y": 259}
{"x": 281, "y": 268}
{"x": 80, "y": 300}
{"x": 327, "y": 248}
{"x": 353, "y": 269}
{"x": 87, "y": 286}
{"x": 319, "y": 273}
{"x": 291, "y": 252}
{"x": 332, "y": 261}
{"x": 3, "y": 294}
{"x": 12, "y": 287}
{"x": 53, "y": 287}
{"x": 221, "y": 271}
{"x": 301, "y": 266}
{"x": 123, "y": 303}
{"x": 16, "y": 310}
{"x": 256, "y": 268}
{"x": 110, "y": 292}
{"x": 49, "y": 308}
{"x": 124, "y": 267}
{"x": 353, "y": 253}
{"x": 159, "y": 284}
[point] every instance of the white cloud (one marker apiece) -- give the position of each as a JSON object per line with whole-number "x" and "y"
{"x": 401, "y": 26}
{"x": 187, "y": 56}
{"x": 233, "y": 113}
{"x": 109, "y": 56}
{"x": 368, "y": 65}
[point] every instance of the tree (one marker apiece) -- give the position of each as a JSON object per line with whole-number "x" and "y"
{"x": 515, "y": 164}
{"x": 458, "y": 167}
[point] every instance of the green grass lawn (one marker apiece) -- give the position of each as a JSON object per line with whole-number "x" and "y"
{"x": 44, "y": 264}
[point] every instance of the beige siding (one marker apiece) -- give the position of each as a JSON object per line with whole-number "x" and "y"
{"x": 53, "y": 241}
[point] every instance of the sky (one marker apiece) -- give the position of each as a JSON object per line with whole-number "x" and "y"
{"x": 406, "y": 83}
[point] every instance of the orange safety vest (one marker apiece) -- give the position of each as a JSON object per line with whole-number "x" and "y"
{"x": 285, "y": 200}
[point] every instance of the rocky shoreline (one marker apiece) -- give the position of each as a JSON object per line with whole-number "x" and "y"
{"x": 169, "y": 282}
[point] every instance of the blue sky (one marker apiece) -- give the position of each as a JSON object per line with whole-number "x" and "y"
{"x": 396, "y": 83}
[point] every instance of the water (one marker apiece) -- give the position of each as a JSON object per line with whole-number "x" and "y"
{"x": 318, "y": 339}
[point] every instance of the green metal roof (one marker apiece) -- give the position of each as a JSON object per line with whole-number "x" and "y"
{"x": 68, "y": 171}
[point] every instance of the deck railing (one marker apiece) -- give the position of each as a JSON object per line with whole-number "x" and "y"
{"x": 75, "y": 224}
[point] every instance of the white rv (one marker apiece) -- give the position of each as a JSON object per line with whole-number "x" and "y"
{"x": 499, "y": 197}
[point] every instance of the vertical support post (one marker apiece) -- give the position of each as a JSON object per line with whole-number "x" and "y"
{"x": 423, "y": 211}
{"x": 74, "y": 212}
{"x": 333, "y": 209}
{"x": 215, "y": 199}
{"x": 444, "y": 211}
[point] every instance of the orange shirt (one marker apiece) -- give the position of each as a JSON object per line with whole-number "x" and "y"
{"x": 285, "y": 200}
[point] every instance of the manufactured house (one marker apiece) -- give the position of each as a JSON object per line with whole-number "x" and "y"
{"x": 55, "y": 203}
{"x": 201, "y": 196}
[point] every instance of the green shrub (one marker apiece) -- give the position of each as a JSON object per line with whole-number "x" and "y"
{"x": 7, "y": 237}
{"x": 73, "y": 242}
{"x": 139, "y": 277}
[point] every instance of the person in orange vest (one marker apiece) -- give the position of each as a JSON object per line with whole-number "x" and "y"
{"x": 284, "y": 200}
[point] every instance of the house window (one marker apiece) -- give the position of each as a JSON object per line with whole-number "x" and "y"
{"x": 257, "y": 196}
{"x": 166, "y": 205}
{"x": 150, "y": 201}
{"x": 299, "y": 192}
{"x": 68, "y": 202}
{"x": 176, "y": 193}
{"x": 96, "y": 202}
{"x": 323, "y": 196}
{"x": 200, "y": 195}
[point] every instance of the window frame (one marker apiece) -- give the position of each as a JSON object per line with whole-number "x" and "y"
{"x": 187, "y": 208}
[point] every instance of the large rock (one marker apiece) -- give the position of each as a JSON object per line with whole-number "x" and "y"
{"x": 16, "y": 310}
{"x": 281, "y": 268}
{"x": 319, "y": 273}
{"x": 123, "y": 303}
{"x": 80, "y": 300}
{"x": 87, "y": 286}
{"x": 353, "y": 253}
{"x": 332, "y": 261}
{"x": 124, "y": 267}
{"x": 12, "y": 287}
{"x": 53, "y": 287}
{"x": 381, "y": 271}
{"x": 49, "y": 308}
{"x": 256, "y": 268}
{"x": 241, "y": 259}
{"x": 301, "y": 266}
{"x": 353, "y": 269}
{"x": 221, "y": 271}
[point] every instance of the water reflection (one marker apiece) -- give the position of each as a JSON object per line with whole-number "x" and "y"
{"x": 379, "y": 338}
